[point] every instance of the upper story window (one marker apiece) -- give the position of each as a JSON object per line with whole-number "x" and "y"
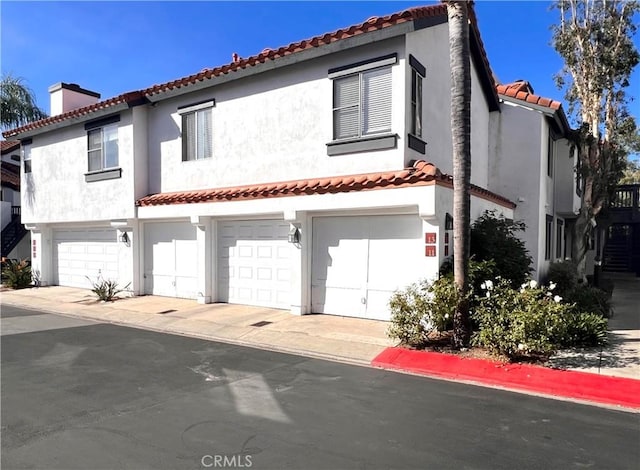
{"x": 362, "y": 98}
{"x": 362, "y": 105}
{"x": 418, "y": 72}
{"x": 102, "y": 143}
{"x": 103, "y": 148}
{"x": 414, "y": 139}
{"x": 197, "y": 131}
{"x": 26, "y": 155}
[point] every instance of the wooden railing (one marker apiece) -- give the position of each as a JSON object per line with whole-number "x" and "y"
{"x": 625, "y": 197}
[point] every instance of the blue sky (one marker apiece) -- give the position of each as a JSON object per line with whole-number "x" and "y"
{"x": 114, "y": 47}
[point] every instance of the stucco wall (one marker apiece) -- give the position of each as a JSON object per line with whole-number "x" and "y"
{"x": 566, "y": 200}
{"x": 431, "y": 47}
{"x": 271, "y": 127}
{"x": 516, "y": 172}
{"x": 56, "y": 190}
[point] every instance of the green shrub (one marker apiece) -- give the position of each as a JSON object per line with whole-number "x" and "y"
{"x": 106, "y": 289}
{"x": 532, "y": 321}
{"x": 442, "y": 302}
{"x": 564, "y": 274}
{"x": 589, "y": 299}
{"x": 420, "y": 309}
{"x": 479, "y": 271}
{"x": 581, "y": 329}
{"x": 16, "y": 273}
{"x": 494, "y": 238}
{"x": 408, "y": 307}
{"x": 515, "y": 323}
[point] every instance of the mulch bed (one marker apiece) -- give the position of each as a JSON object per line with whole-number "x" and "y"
{"x": 442, "y": 342}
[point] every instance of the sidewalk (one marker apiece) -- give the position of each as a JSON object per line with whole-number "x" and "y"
{"x": 621, "y": 357}
{"x": 609, "y": 377}
{"x": 345, "y": 339}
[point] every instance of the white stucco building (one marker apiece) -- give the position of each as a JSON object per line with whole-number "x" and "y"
{"x": 312, "y": 178}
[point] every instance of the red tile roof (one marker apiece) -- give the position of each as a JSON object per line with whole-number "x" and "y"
{"x": 7, "y": 146}
{"x": 129, "y": 98}
{"x": 372, "y": 24}
{"x": 420, "y": 174}
{"x": 10, "y": 175}
{"x": 522, "y": 91}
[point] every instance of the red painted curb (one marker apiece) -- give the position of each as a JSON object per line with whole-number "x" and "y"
{"x": 563, "y": 383}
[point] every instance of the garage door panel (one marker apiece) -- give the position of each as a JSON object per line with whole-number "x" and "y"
{"x": 79, "y": 253}
{"x": 245, "y": 251}
{"x": 377, "y": 304}
{"x": 186, "y": 257}
{"x": 171, "y": 258}
{"x": 253, "y": 257}
{"x": 358, "y": 262}
{"x": 264, "y": 252}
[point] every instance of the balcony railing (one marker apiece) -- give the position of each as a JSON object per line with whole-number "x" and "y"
{"x": 625, "y": 197}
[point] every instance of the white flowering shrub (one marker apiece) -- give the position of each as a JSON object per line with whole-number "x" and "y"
{"x": 531, "y": 321}
{"x": 420, "y": 309}
{"x": 410, "y": 315}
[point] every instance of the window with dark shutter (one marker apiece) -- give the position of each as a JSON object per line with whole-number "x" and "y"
{"x": 362, "y": 103}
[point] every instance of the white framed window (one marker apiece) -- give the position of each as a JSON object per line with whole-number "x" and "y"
{"x": 103, "y": 147}
{"x": 416, "y": 103}
{"x": 362, "y": 103}
{"x": 548, "y": 237}
{"x": 197, "y": 131}
{"x": 26, "y": 156}
{"x": 559, "y": 238}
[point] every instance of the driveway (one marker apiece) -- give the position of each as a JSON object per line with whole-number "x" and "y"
{"x": 91, "y": 395}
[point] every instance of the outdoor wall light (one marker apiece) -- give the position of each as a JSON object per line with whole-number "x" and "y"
{"x": 448, "y": 222}
{"x": 294, "y": 234}
{"x": 124, "y": 238}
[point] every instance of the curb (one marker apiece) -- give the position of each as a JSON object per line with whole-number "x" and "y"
{"x": 584, "y": 386}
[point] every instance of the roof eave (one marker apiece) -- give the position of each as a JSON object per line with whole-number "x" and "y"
{"x": 67, "y": 122}
{"x": 557, "y": 114}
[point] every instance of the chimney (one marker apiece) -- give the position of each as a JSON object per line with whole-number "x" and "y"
{"x": 68, "y": 96}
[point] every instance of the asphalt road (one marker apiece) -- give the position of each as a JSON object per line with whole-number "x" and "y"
{"x": 81, "y": 395}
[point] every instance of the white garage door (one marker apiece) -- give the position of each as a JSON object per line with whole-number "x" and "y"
{"x": 171, "y": 259}
{"x": 89, "y": 252}
{"x": 254, "y": 263}
{"x": 358, "y": 262}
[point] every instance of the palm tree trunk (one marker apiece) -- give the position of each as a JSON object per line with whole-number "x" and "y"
{"x": 459, "y": 55}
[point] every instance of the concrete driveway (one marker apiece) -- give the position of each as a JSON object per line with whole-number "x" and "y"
{"x": 327, "y": 336}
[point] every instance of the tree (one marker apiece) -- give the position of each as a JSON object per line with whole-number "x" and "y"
{"x": 460, "y": 61}
{"x": 631, "y": 174}
{"x": 594, "y": 38}
{"x": 17, "y": 103}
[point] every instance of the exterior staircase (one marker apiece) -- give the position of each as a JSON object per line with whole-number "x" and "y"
{"x": 13, "y": 232}
{"x": 617, "y": 252}
{"x": 621, "y": 252}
